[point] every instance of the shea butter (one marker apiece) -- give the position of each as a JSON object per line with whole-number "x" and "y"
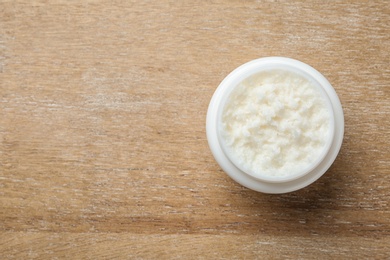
{"x": 276, "y": 123}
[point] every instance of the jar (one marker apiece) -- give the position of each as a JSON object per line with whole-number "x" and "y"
{"x": 274, "y": 184}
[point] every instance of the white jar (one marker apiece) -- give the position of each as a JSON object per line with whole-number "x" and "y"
{"x": 274, "y": 184}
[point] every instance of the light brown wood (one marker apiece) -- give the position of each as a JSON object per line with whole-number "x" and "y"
{"x": 103, "y": 152}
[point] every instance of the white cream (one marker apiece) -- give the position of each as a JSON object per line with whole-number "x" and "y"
{"x": 276, "y": 123}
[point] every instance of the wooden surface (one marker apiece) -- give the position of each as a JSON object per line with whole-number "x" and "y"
{"x": 103, "y": 152}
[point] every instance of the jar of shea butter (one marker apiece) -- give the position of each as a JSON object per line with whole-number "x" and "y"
{"x": 275, "y": 125}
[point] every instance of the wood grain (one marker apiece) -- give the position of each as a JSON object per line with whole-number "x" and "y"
{"x": 103, "y": 152}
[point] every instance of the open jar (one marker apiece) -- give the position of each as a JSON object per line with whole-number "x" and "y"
{"x": 275, "y": 125}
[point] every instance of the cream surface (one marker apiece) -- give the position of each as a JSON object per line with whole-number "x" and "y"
{"x": 275, "y": 123}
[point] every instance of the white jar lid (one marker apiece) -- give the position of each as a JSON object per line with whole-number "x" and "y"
{"x": 284, "y": 184}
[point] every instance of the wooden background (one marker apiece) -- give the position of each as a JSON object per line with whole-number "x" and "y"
{"x": 103, "y": 151}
